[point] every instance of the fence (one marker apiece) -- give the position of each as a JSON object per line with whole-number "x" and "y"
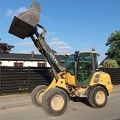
{"x": 114, "y": 74}
{"x": 16, "y": 80}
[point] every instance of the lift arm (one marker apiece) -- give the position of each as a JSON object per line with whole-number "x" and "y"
{"x": 45, "y": 50}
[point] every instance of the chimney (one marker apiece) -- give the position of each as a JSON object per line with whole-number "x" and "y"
{"x": 32, "y": 53}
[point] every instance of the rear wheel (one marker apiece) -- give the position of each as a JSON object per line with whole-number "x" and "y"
{"x": 37, "y": 95}
{"x": 55, "y": 102}
{"x": 97, "y": 97}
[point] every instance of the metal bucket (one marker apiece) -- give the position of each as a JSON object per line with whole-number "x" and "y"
{"x": 26, "y": 21}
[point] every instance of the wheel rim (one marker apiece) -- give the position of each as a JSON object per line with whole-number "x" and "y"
{"x": 57, "y": 102}
{"x": 39, "y": 97}
{"x": 100, "y": 97}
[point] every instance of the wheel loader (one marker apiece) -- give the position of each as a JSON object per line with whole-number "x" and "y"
{"x": 79, "y": 77}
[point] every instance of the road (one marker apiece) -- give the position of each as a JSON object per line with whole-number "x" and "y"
{"x": 75, "y": 111}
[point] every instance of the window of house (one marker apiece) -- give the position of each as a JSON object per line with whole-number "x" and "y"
{"x": 41, "y": 64}
{"x": 18, "y": 64}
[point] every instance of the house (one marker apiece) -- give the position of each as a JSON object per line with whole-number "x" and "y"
{"x": 25, "y": 60}
{"x": 106, "y": 58}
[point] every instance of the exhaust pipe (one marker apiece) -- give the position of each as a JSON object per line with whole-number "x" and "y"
{"x": 25, "y": 22}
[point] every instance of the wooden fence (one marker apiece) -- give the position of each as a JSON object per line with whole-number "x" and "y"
{"x": 16, "y": 80}
{"x": 114, "y": 74}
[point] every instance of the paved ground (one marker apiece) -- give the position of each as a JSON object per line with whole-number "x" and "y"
{"x": 16, "y": 100}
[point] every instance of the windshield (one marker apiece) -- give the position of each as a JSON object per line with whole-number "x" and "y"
{"x": 69, "y": 64}
{"x": 84, "y": 59}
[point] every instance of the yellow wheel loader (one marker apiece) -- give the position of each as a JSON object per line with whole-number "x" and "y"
{"x": 78, "y": 77}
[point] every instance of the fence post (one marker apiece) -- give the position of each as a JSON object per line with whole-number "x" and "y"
{"x": 29, "y": 78}
{"x": 118, "y": 76}
{"x": 0, "y": 82}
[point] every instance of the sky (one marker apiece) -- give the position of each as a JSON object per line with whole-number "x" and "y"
{"x": 71, "y": 24}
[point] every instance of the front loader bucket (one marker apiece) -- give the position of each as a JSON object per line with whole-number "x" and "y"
{"x": 26, "y": 21}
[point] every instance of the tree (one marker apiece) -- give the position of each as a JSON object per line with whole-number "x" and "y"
{"x": 109, "y": 63}
{"x": 114, "y": 46}
{"x": 5, "y": 48}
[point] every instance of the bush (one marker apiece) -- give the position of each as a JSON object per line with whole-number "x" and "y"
{"x": 109, "y": 63}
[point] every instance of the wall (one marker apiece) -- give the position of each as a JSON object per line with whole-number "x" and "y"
{"x": 25, "y": 63}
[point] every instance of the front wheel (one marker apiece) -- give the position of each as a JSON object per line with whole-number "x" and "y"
{"x": 37, "y": 95}
{"x": 97, "y": 97}
{"x": 55, "y": 102}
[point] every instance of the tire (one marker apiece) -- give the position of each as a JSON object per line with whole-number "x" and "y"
{"x": 55, "y": 102}
{"x": 97, "y": 97}
{"x": 36, "y": 95}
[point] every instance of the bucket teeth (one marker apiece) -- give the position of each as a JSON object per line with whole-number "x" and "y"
{"x": 26, "y": 21}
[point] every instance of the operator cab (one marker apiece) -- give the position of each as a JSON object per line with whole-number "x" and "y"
{"x": 82, "y": 65}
